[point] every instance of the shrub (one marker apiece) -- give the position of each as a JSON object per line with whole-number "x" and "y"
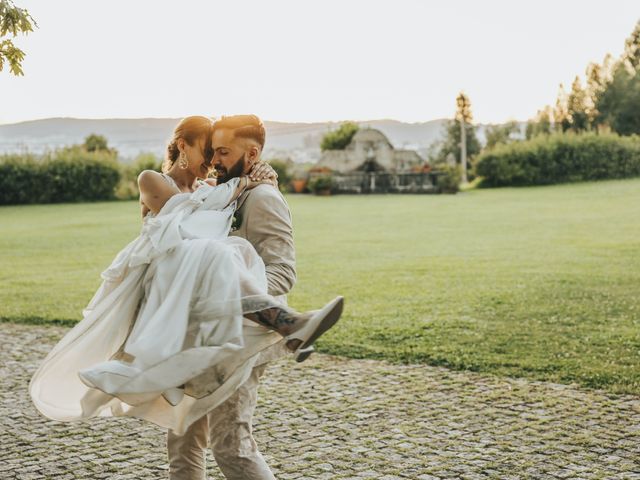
{"x": 22, "y": 180}
{"x": 127, "y": 188}
{"x": 284, "y": 177}
{"x": 321, "y": 184}
{"x": 449, "y": 178}
{"x": 68, "y": 175}
{"x": 560, "y": 158}
{"x": 340, "y": 138}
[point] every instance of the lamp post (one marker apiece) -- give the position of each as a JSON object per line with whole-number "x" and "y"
{"x": 463, "y": 150}
{"x": 463, "y": 114}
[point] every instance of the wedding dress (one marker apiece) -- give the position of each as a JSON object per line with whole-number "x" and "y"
{"x": 163, "y": 338}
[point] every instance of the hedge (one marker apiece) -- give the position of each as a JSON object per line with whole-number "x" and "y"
{"x": 69, "y": 175}
{"x": 560, "y": 158}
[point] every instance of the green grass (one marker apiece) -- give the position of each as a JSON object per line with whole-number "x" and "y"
{"x": 538, "y": 282}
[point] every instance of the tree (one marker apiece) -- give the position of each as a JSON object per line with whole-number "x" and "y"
{"x": 596, "y": 83}
{"x": 453, "y": 139}
{"x": 619, "y": 104}
{"x": 451, "y": 142}
{"x": 340, "y": 138}
{"x": 577, "y": 108}
{"x": 496, "y": 134}
{"x": 610, "y": 99}
{"x": 541, "y": 124}
{"x": 631, "y": 54}
{"x": 13, "y": 20}
{"x": 560, "y": 112}
{"x": 97, "y": 143}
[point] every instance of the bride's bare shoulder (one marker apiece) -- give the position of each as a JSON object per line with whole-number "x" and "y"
{"x": 151, "y": 180}
{"x": 155, "y": 189}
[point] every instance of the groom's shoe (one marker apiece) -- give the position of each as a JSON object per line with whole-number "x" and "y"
{"x": 303, "y": 354}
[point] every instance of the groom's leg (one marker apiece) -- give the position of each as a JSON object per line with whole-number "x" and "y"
{"x": 230, "y": 434}
{"x": 187, "y": 452}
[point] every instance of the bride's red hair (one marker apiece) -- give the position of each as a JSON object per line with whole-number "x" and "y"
{"x": 190, "y": 129}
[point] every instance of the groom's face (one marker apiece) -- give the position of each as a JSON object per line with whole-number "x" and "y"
{"x": 229, "y": 155}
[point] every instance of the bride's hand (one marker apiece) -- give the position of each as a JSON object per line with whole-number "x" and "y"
{"x": 262, "y": 171}
{"x": 266, "y": 181}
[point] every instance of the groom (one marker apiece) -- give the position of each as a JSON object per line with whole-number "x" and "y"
{"x": 264, "y": 219}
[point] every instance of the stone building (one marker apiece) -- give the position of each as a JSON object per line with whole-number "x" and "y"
{"x": 370, "y": 164}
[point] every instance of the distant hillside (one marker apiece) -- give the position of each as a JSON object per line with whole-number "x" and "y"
{"x": 299, "y": 141}
{"x": 130, "y": 137}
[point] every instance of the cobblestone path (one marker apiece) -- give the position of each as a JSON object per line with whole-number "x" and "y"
{"x": 333, "y": 418}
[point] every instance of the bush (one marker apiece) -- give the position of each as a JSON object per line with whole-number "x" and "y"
{"x": 284, "y": 177}
{"x": 321, "y": 184}
{"x": 127, "y": 188}
{"x": 68, "y": 175}
{"x": 449, "y": 178}
{"x": 560, "y": 158}
{"x": 22, "y": 180}
{"x": 340, "y": 138}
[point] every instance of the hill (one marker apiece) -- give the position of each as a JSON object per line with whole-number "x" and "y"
{"x": 298, "y": 141}
{"x": 131, "y": 136}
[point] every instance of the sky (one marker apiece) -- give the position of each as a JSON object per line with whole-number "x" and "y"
{"x": 307, "y": 60}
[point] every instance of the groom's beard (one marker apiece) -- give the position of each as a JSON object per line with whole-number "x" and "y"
{"x": 237, "y": 170}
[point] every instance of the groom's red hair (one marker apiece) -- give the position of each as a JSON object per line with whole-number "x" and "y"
{"x": 244, "y": 126}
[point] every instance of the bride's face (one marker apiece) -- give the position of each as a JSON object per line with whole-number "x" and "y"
{"x": 199, "y": 155}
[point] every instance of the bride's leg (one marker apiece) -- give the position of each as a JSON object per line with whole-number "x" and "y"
{"x": 265, "y": 311}
{"x": 257, "y": 306}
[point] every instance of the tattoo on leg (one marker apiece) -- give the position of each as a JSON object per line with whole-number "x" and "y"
{"x": 274, "y": 318}
{"x": 284, "y": 318}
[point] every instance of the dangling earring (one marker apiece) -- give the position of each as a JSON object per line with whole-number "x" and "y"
{"x": 183, "y": 163}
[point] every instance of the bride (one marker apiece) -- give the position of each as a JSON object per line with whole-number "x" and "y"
{"x": 163, "y": 337}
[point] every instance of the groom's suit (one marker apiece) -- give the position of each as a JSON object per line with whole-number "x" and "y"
{"x": 265, "y": 221}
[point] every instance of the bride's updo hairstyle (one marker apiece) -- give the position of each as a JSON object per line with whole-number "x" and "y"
{"x": 190, "y": 129}
{"x": 243, "y": 126}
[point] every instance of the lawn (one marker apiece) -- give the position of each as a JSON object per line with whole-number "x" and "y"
{"x": 538, "y": 282}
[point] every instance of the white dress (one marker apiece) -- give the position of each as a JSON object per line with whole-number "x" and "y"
{"x": 163, "y": 338}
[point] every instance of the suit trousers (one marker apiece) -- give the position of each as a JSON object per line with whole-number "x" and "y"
{"x": 227, "y": 429}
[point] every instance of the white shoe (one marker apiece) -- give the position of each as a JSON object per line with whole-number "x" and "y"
{"x": 173, "y": 395}
{"x": 108, "y": 376}
{"x": 320, "y": 321}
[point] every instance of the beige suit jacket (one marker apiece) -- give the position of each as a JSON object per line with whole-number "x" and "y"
{"x": 264, "y": 219}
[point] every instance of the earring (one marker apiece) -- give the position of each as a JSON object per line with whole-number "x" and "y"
{"x": 183, "y": 162}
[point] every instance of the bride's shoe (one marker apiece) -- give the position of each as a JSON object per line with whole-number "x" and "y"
{"x": 304, "y": 353}
{"x": 108, "y": 376}
{"x": 319, "y": 322}
{"x": 173, "y": 395}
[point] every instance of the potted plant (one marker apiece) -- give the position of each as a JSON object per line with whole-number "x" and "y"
{"x": 321, "y": 185}
{"x": 299, "y": 184}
